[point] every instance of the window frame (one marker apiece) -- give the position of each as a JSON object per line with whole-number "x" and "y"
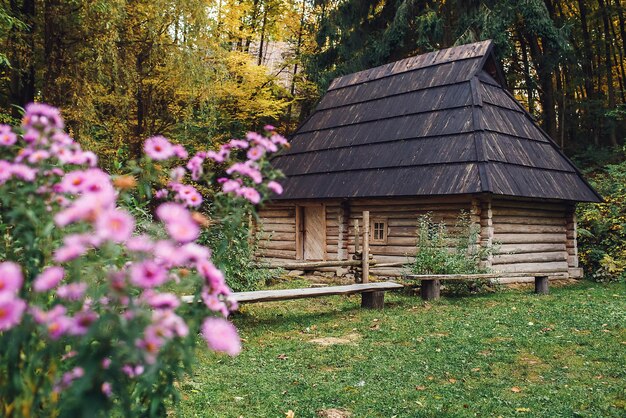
{"x": 385, "y": 230}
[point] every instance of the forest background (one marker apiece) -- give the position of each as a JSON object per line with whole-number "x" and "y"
{"x": 203, "y": 71}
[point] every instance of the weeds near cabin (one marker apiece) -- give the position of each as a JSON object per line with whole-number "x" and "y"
{"x": 441, "y": 250}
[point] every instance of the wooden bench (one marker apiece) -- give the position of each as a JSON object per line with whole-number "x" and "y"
{"x": 431, "y": 284}
{"x": 372, "y": 294}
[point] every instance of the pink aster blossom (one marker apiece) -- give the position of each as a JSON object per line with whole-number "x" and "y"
{"x": 161, "y": 194}
{"x": 269, "y": 127}
{"x": 221, "y": 335}
{"x": 80, "y": 323}
{"x": 275, "y": 187}
{"x": 278, "y": 139}
{"x": 147, "y": 274}
{"x": 7, "y": 137}
{"x": 180, "y": 151}
{"x": 250, "y": 194}
{"x": 246, "y": 169}
{"x": 38, "y": 156}
{"x": 42, "y": 116}
{"x": 140, "y": 243}
{"x": 168, "y": 212}
{"x": 5, "y": 171}
{"x": 183, "y": 230}
{"x": 73, "y": 182}
{"x": 58, "y": 326}
{"x": 158, "y": 148}
{"x": 255, "y": 153}
{"x": 195, "y": 165}
{"x": 231, "y": 186}
{"x": 72, "y": 291}
{"x": 11, "y": 311}
{"x": 23, "y": 172}
{"x": 177, "y": 174}
{"x": 167, "y": 301}
{"x": 115, "y": 225}
{"x": 11, "y": 278}
{"x": 107, "y": 389}
{"x": 49, "y": 278}
{"x": 212, "y": 275}
{"x": 238, "y": 143}
{"x": 214, "y": 303}
{"x": 219, "y": 157}
{"x": 68, "y": 253}
{"x": 133, "y": 371}
{"x": 195, "y": 253}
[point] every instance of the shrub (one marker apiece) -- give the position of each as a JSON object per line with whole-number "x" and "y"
{"x": 602, "y": 227}
{"x": 86, "y": 323}
{"x": 440, "y": 251}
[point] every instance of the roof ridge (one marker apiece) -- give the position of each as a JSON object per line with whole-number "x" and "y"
{"x": 428, "y": 59}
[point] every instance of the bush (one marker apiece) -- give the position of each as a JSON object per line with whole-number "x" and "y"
{"x": 87, "y": 325}
{"x": 440, "y": 251}
{"x": 602, "y": 227}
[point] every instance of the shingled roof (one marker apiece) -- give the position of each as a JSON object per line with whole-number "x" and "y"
{"x": 436, "y": 124}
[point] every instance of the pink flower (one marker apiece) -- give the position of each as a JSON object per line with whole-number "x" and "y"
{"x": 169, "y": 212}
{"x": 161, "y": 194}
{"x": 213, "y": 276}
{"x": 278, "y": 139}
{"x": 72, "y": 291}
{"x": 48, "y": 279}
{"x": 150, "y": 345}
{"x": 42, "y": 116}
{"x": 68, "y": 253}
{"x": 177, "y": 174}
{"x": 133, "y": 371}
{"x": 214, "y": 303}
{"x": 255, "y": 153}
{"x": 73, "y": 182}
{"x": 246, "y": 169}
{"x": 195, "y": 165}
{"x": 195, "y": 253}
{"x": 221, "y": 335}
{"x": 250, "y": 194}
{"x": 238, "y": 143}
{"x": 116, "y": 225}
{"x": 219, "y": 157}
{"x": 23, "y": 172}
{"x": 180, "y": 151}
{"x": 10, "y": 278}
{"x": 269, "y": 128}
{"x": 106, "y": 389}
{"x": 81, "y": 322}
{"x": 11, "y": 311}
{"x": 183, "y": 230}
{"x": 275, "y": 187}
{"x": 147, "y": 274}
{"x": 167, "y": 301}
{"x": 231, "y": 186}
{"x": 7, "y": 137}
{"x": 140, "y": 243}
{"x": 158, "y": 148}
{"x": 5, "y": 171}
{"x": 58, "y": 326}
{"x": 38, "y": 156}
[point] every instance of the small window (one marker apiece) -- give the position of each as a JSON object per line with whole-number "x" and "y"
{"x": 379, "y": 230}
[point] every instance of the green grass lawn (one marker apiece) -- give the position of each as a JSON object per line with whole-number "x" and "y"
{"x": 510, "y": 353}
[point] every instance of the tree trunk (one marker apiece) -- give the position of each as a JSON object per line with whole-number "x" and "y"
{"x": 608, "y": 62}
{"x": 588, "y": 73}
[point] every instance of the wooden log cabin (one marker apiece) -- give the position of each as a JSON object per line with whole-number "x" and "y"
{"x": 436, "y": 133}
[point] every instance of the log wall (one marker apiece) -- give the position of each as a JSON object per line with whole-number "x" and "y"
{"x": 528, "y": 236}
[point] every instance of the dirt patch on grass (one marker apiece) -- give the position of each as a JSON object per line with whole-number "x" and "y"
{"x": 334, "y": 413}
{"x": 529, "y": 367}
{"x": 346, "y": 339}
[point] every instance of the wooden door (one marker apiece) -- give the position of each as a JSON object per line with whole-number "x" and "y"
{"x": 314, "y": 232}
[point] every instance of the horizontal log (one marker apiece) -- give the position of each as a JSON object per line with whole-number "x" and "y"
{"x": 529, "y": 248}
{"x": 277, "y": 213}
{"x": 277, "y": 245}
{"x": 278, "y": 236}
{"x": 525, "y": 220}
{"x": 271, "y": 227}
{"x": 485, "y": 276}
{"x": 527, "y": 213}
{"x": 290, "y": 294}
{"x": 282, "y": 254}
{"x": 538, "y": 206}
{"x": 311, "y": 265}
{"x": 529, "y": 238}
{"x": 529, "y": 258}
{"x": 527, "y": 229}
{"x": 560, "y": 266}
{"x": 283, "y": 220}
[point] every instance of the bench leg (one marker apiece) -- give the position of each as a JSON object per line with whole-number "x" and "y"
{"x": 541, "y": 285}
{"x": 430, "y": 289}
{"x": 373, "y": 300}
